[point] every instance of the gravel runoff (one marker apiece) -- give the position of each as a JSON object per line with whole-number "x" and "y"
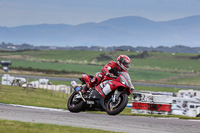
{"x": 118, "y": 123}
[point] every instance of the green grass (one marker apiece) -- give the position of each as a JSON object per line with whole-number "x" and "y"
{"x": 60, "y": 82}
{"x": 7, "y": 126}
{"x": 147, "y": 75}
{"x": 37, "y": 97}
{"x": 92, "y": 69}
{"x": 158, "y": 67}
{"x": 172, "y": 64}
{"x": 44, "y": 98}
{"x": 159, "y": 89}
{"x": 156, "y": 61}
{"x": 190, "y": 80}
{"x": 56, "y": 55}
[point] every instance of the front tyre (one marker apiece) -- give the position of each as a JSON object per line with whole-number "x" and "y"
{"x": 115, "y": 107}
{"x": 75, "y": 104}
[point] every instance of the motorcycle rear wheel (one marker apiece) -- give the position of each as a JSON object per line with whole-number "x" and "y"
{"x": 114, "y": 108}
{"x": 75, "y": 105}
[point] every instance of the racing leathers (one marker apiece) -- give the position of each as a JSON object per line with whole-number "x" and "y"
{"x": 111, "y": 69}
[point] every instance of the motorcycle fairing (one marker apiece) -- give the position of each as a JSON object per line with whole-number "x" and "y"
{"x": 99, "y": 89}
{"x": 115, "y": 84}
{"x": 98, "y": 94}
{"x": 107, "y": 86}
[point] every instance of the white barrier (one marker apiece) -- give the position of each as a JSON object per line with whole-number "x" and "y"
{"x": 148, "y": 103}
{"x": 61, "y": 88}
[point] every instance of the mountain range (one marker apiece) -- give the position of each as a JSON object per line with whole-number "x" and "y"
{"x": 129, "y": 30}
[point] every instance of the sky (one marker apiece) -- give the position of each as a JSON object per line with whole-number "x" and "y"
{"x": 73, "y": 12}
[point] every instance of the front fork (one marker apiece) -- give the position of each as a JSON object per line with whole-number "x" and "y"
{"x": 115, "y": 96}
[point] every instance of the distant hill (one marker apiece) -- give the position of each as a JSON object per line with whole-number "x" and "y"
{"x": 130, "y": 30}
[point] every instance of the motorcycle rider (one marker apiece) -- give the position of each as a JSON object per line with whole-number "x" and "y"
{"x": 111, "y": 69}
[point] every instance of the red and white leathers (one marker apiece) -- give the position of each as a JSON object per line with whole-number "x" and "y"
{"x": 109, "y": 69}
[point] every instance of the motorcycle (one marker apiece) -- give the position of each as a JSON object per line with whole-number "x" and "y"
{"x": 111, "y": 95}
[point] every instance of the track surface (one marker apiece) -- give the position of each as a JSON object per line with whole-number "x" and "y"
{"x": 120, "y": 123}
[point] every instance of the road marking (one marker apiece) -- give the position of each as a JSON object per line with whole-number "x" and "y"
{"x": 194, "y": 120}
{"x": 179, "y": 119}
{"x": 35, "y": 107}
{"x": 167, "y": 118}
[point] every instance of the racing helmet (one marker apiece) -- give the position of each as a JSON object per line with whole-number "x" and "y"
{"x": 124, "y": 62}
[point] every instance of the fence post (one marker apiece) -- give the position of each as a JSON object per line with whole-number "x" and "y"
{"x": 27, "y": 86}
{"x": 52, "y": 91}
{"x": 47, "y": 87}
{"x": 0, "y": 85}
{"x": 69, "y": 90}
{"x": 63, "y": 92}
{"x": 58, "y": 92}
{"x": 38, "y": 84}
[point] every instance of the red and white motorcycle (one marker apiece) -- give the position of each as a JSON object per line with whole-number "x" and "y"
{"x": 111, "y": 95}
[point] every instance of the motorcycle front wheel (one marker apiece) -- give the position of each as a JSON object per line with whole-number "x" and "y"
{"x": 75, "y": 104}
{"x": 115, "y": 107}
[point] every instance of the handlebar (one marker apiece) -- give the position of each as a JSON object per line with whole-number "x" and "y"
{"x": 115, "y": 77}
{"x": 110, "y": 76}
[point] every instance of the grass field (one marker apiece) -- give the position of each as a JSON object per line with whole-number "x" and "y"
{"x": 25, "y": 127}
{"x": 159, "y": 67}
{"x": 92, "y": 69}
{"x": 172, "y": 64}
{"x": 166, "y": 61}
{"x": 190, "y": 80}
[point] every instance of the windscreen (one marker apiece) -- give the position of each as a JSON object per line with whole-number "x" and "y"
{"x": 125, "y": 79}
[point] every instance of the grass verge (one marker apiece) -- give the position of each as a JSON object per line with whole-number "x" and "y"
{"x": 47, "y": 98}
{"x": 25, "y": 127}
{"x": 44, "y": 98}
{"x": 37, "y": 97}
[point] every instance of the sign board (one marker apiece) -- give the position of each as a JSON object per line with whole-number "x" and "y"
{"x": 5, "y": 65}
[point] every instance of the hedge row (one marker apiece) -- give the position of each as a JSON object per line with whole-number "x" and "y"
{"x": 46, "y": 71}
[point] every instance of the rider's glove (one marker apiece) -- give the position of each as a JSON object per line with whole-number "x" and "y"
{"x": 110, "y": 75}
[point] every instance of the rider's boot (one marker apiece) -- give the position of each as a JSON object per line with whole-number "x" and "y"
{"x": 88, "y": 85}
{"x": 83, "y": 92}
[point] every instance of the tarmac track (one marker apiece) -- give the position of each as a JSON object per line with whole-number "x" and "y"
{"x": 118, "y": 123}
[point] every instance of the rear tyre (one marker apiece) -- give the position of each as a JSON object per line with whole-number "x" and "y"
{"x": 75, "y": 104}
{"x": 114, "y": 108}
